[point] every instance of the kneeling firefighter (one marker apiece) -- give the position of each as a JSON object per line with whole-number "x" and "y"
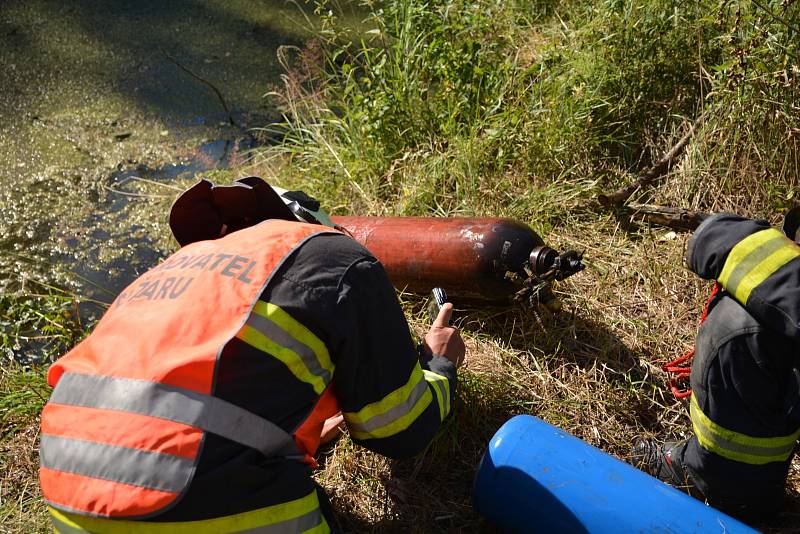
{"x": 198, "y": 401}
{"x": 745, "y": 376}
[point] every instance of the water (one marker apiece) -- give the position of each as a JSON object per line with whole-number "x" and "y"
{"x": 100, "y": 129}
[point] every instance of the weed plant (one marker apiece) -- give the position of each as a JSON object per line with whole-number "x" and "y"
{"x": 746, "y": 159}
{"x": 38, "y": 326}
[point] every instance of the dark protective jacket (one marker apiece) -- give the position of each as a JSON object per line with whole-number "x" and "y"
{"x": 324, "y": 324}
{"x": 745, "y": 407}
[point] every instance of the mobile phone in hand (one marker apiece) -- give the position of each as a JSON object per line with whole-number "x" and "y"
{"x": 438, "y": 299}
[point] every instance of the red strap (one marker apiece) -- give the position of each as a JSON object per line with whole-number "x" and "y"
{"x": 308, "y": 433}
{"x": 678, "y": 368}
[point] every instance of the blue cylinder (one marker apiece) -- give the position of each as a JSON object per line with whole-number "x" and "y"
{"x": 537, "y": 478}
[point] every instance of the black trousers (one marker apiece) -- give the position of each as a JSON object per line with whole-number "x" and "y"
{"x": 746, "y": 418}
{"x": 327, "y": 510}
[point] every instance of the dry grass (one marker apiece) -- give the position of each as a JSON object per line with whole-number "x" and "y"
{"x": 21, "y": 506}
{"x": 23, "y": 392}
{"x": 593, "y": 370}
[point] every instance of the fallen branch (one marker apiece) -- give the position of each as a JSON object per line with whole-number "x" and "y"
{"x": 676, "y": 218}
{"x": 204, "y": 81}
{"x": 659, "y": 169}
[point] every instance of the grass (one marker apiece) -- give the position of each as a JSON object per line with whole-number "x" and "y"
{"x": 23, "y": 393}
{"x": 37, "y": 324}
{"x": 527, "y": 110}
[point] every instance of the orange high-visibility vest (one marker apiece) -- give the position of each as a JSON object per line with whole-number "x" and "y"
{"x": 122, "y": 433}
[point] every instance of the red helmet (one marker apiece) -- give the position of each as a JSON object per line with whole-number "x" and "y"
{"x": 208, "y": 211}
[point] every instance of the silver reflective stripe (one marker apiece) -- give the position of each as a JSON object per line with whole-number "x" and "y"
{"x": 444, "y": 393}
{"x": 281, "y": 337}
{"x": 395, "y": 412}
{"x": 175, "y": 404}
{"x": 163, "y": 472}
{"x": 751, "y": 261}
{"x": 63, "y": 528}
{"x": 298, "y": 524}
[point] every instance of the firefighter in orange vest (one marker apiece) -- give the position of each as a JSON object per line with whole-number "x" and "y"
{"x": 198, "y": 401}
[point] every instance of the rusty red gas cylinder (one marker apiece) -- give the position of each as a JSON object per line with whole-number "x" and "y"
{"x": 468, "y": 257}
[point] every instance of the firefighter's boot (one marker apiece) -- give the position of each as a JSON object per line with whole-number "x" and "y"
{"x": 663, "y": 461}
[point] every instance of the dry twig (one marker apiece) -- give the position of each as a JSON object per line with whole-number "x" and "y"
{"x": 204, "y": 81}
{"x": 677, "y": 218}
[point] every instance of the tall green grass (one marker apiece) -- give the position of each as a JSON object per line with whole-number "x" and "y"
{"x": 453, "y": 107}
{"x": 748, "y": 157}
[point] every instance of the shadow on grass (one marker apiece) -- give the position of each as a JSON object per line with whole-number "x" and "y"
{"x": 519, "y": 375}
{"x": 567, "y": 369}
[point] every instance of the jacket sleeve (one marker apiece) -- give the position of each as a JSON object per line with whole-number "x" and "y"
{"x": 392, "y": 402}
{"x": 756, "y": 264}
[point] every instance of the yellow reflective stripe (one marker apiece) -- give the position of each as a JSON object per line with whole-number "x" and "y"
{"x": 754, "y": 259}
{"x": 399, "y": 424}
{"x": 296, "y": 330}
{"x": 739, "y": 447}
{"x": 393, "y": 413}
{"x": 291, "y": 359}
{"x": 744, "y": 248}
{"x": 438, "y": 392}
{"x": 439, "y": 400}
{"x": 763, "y": 270}
{"x": 440, "y": 385}
{"x": 270, "y": 329}
{"x": 292, "y": 516}
{"x": 389, "y": 401}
